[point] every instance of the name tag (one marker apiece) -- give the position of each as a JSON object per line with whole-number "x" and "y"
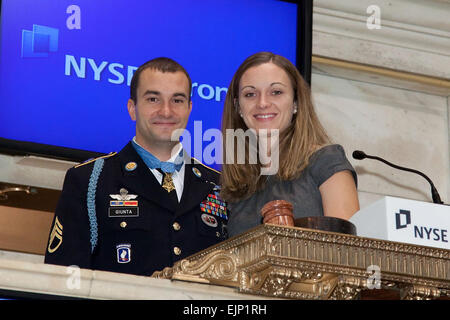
{"x": 123, "y": 212}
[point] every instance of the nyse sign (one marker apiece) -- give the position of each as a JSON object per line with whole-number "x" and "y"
{"x": 404, "y": 221}
{"x": 434, "y": 234}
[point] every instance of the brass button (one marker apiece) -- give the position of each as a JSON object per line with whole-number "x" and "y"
{"x": 176, "y": 226}
{"x": 177, "y": 251}
{"x": 123, "y": 224}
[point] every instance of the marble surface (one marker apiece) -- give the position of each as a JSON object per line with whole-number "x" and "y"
{"x": 413, "y": 36}
{"x": 22, "y": 272}
{"x": 383, "y": 77}
{"x": 407, "y": 128}
{"x": 19, "y": 256}
{"x": 430, "y": 14}
{"x": 380, "y": 54}
{"x": 34, "y": 171}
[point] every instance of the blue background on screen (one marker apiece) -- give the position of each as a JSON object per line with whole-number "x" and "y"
{"x": 46, "y": 100}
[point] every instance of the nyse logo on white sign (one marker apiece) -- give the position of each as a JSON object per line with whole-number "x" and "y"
{"x": 433, "y": 233}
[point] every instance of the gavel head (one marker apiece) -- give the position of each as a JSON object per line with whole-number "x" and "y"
{"x": 278, "y": 212}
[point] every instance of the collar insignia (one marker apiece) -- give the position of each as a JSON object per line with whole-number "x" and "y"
{"x": 197, "y": 172}
{"x": 130, "y": 166}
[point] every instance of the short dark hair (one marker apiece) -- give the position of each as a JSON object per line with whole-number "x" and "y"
{"x": 161, "y": 64}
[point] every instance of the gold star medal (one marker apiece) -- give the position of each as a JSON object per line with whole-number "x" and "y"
{"x": 168, "y": 182}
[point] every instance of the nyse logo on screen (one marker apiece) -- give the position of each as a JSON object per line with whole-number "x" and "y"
{"x": 38, "y": 42}
{"x": 403, "y": 220}
{"x": 118, "y": 73}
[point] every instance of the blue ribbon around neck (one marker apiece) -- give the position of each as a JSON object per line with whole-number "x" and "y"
{"x": 154, "y": 163}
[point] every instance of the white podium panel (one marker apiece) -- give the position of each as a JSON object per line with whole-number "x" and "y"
{"x": 404, "y": 220}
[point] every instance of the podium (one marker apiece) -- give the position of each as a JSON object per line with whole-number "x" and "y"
{"x": 266, "y": 262}
{"x": 297, "y": 263}
{"x": 404, "y": 220}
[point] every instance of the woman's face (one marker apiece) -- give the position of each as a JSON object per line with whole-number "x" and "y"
{"x": 266, "y": 98}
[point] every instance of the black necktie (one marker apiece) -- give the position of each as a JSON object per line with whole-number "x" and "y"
{"x": 168, "y": 185}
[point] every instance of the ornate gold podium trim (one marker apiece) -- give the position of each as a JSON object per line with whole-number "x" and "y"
{"x": 297, "y": 263}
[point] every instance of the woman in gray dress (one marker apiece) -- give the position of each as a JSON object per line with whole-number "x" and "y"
{"x": 269, "y": 96}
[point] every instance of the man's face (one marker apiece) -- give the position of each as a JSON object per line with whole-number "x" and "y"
{"x": 162, "y": 106}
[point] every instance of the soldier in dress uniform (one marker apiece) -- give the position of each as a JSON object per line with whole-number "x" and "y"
{"x": 142, "y": 209}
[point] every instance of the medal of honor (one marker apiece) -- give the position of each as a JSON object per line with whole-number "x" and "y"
{"x": 168, "y": 182}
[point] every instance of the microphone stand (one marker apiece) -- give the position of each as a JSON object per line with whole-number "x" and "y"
{"x": 359, "y": 155}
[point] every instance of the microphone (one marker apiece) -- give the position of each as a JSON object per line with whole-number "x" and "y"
{"x": 360, "y": 155}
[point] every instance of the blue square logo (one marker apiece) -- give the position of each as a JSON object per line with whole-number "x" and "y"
{"x": 39, "y": 42}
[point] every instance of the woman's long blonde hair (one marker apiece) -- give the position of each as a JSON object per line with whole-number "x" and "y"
{"x": 297, "y": 143}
